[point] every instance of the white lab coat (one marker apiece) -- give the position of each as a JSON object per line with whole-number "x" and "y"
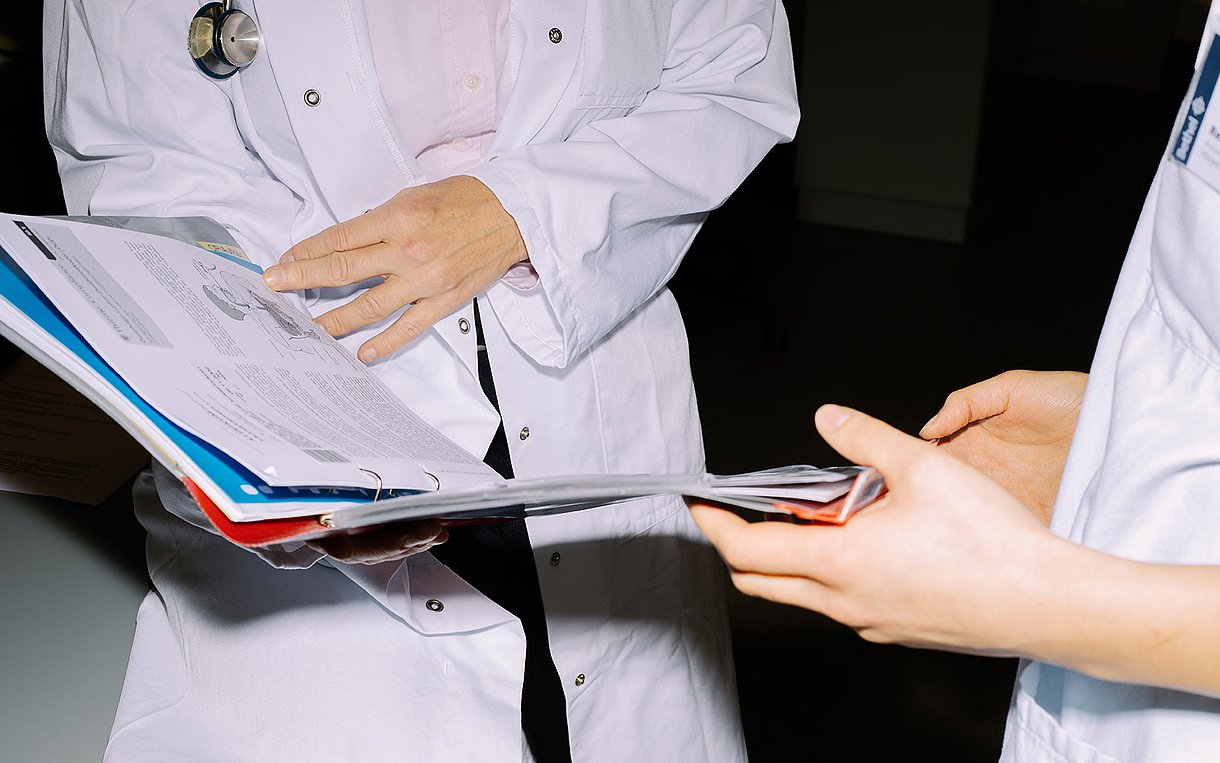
{"x": 1143, "y": 477}
{"x": 618, "y": 139}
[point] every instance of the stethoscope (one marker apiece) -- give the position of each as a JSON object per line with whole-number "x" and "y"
{"x": 222, "y": 39}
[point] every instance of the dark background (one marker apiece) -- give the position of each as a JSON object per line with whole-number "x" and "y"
{"x": 1077, "y": 101}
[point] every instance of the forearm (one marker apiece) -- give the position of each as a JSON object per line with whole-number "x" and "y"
{"x": 1127, "y": 621}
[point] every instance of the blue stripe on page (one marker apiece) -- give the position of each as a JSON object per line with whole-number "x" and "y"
{"x": 244, "y": 263}
{"x": 240, "y": 485}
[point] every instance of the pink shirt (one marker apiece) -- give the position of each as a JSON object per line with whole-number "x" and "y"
{"x": 441, "y": 65}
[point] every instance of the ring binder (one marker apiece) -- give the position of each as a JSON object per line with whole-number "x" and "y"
{"x": 376, "y": 476}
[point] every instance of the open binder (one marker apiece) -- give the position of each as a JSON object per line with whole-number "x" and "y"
{"x": 233, "y": 388}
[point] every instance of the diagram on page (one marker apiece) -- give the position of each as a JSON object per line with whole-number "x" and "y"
{"x": 286, "y": 333}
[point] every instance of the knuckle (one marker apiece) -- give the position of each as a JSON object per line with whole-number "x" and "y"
{"x": 414, "y": 253}
{"x": 339, "y": 267}
{"x": 372, "y": 305}
{"x": 975, "y": 410}
{"x": 333, "y": 324}
{"x": 340, "y": 237}
{"x": 401, "y": 214}
{"x": 408, "y": 330}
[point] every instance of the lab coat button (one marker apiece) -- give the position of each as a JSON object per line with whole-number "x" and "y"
{"x": 525, "y": 433}
{"x": 473, "y": 81}
{"x": 580, "y": 680}
{"x": 555, "y": 35}
{"x": 555, "y": 559}
{"x": 436, "y": 605}
{"x": 464, "y": 326}
{"x": 312, "y": 97}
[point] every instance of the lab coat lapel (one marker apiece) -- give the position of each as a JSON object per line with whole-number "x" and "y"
{"x": 322, "y": 64}
{"x": 541, "y": 68}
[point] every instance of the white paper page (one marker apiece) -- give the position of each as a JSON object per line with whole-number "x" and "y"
{"x": 203, "y": 340}
{"x": 541, "y": 495}
{"x": 31, "y": 338}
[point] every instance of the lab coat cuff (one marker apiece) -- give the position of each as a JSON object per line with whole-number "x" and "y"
{"x": 531, "y": 316}
{"x": 521, "y": 277}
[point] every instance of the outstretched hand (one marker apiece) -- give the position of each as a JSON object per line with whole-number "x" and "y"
{"x": 1016, "y": 428}
{"x": 436, "y": 246}
{"x": 926, "y": 565}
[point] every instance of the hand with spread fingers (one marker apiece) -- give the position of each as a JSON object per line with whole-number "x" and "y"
{"x": 436, "y": 246}
{"x": 950, "y": 560}
{"x": 1016, "y": 428}
{"x": 387, "y": 543}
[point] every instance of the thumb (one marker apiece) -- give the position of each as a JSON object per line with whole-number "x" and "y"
{"x": 974, "y": 403}
{"x": 953, "y": 416}
{"x": 869, "y": 441}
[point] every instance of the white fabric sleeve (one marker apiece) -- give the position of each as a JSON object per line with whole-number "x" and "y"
{"x": 137, "y": 130}
{"x": 607, "y": 214}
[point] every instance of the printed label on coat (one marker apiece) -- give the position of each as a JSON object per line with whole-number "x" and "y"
{"x": 1197, "y": 146}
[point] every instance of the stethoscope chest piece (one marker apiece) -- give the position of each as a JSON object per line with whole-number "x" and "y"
{"x": 222, "y": 40}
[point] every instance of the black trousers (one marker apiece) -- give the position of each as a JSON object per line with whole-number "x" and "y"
{"x": 498, "y": 560}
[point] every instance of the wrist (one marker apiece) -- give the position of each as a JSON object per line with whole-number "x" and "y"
{"x": 1094, "y": 614}
{"x": 1059, "y": 583}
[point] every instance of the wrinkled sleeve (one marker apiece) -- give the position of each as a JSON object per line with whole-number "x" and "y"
{"x": 137, "y": 130}
{"x": 608, "y": 213}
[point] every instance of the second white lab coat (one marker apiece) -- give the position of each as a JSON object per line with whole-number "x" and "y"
{"x": 629, "y": 120}
{"x": 1143, "y": 478}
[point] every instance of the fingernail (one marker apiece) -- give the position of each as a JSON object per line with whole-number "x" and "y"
{"x": 368, "y": 354}
{"x": 274, "y": 276}
{"x": 286, "y": 258}
{"x": 927, "y": 426}
{"x": 831, "y": 417}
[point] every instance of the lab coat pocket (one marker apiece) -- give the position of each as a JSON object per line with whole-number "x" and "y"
{"x": 1034, "y": 736}
{"x": 623, "y": 52}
